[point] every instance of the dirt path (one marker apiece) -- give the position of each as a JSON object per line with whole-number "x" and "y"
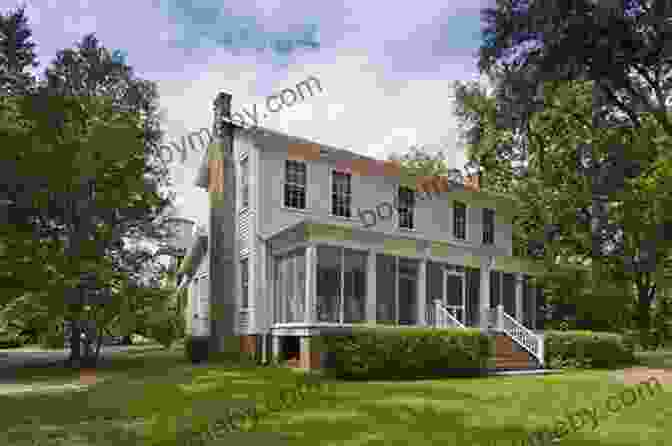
{"x": 635, "y": 375}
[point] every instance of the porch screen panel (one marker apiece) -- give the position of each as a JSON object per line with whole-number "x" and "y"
{"x": 299, "y": 314}
{"x": 509, "y": 289}
{"x": 354, "y": 286}
{"x": 407, "y": 292}
{"x": 386, "y": 279}
{"x": 454, "y": 295}
{"x": 290, "y": 301}
{"x": 290, "y": 295}
{"x": 527, "y": 303}
{"x": 473, "y": 296}
{"x": 328, "y": 283}
{"x": 540, "y": 304}
{"x": 279, "y": 277}
{"x": 495, "y": 288}
{"x": 204, "y": 304}
{"x": 434, "y": 285}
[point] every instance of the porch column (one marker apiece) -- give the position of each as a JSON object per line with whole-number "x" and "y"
{"x": 485, "y": 294}
{"x": 533, "y": 297}
{"x": 422, "y": 293}
{"x": 519, "y": 297}
{"x": 371, "y": 287}
{"x": 311, "y": 268}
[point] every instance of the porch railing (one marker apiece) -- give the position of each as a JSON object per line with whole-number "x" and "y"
{"x": 440, "y": 317}
{"x": 519, "y": 333}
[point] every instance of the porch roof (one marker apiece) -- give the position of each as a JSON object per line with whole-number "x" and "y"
{"x": 313, "y": 229}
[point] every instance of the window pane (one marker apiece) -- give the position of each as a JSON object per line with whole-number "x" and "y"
{"x": 328, "y": 283}
{"x": 244, "y": 277}
{"x": 341, "y": 194}
{"x": 354, "y": 286}
{"x": 295, "y": 184}
{"x": 459, "y": 220}
{"x": 488, "y": 226}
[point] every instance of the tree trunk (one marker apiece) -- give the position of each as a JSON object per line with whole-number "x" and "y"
{"x": 645, "y": 297}
{"x": 75, "y": 344}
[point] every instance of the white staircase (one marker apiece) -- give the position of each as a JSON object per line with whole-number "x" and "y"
{"x": 440, "y": 317}
{"x": 504, "y": 323}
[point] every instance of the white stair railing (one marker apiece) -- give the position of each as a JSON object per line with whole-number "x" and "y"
{"x": 520, "y": 334}
{"x": 442, "y": 317}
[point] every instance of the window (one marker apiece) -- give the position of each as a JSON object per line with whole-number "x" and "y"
{"x": 244, "y": 278}
{"x": 488, "y": 226}
{"x": 459, "y": 220}
{"x": 295, "y": 184}
{"x": 341, "y": 194}
{"x": 244, "y": 183}
{"x": 405, "y": 207}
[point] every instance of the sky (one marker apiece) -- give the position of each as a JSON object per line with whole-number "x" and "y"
{"x": 386, "y": 69}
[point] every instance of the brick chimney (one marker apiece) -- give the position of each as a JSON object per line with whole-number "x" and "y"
{"x": 222, "y": 109}
{"x": 473, "y": 182}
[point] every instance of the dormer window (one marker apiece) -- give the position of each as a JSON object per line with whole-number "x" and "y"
{"x": 341, "y": 194}
{"x": 295, "y": 184}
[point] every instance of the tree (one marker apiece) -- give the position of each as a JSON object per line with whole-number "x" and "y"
{"x": 84, "y": 176}
{"x": 418, "y": 163}
{"x": 491, "y": 150}
{"x": 625, "y": 46}
{"x": 551, "y": 190}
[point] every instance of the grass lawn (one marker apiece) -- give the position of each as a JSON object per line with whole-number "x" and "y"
{"x": 143, "y": 394}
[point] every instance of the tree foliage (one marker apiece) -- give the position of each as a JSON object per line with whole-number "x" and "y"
{"x": 82, "y": 179}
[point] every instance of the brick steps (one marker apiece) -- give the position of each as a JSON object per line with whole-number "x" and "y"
{"x": 511, "y": 356}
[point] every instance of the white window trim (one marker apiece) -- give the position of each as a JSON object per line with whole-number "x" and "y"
{"x": 466, "y": 221}
{"x": 331, "y": 197}
{"x": 284, "y": 184}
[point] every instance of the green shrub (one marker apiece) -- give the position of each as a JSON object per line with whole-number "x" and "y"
{"x": 164, "y": 332}
{"x": 586, "y": 349}
{"x": 197, "y": 348}
{"x": 53, "y": 340}
{"x": 407, "y": 353}
{"x": 10, "y": 340}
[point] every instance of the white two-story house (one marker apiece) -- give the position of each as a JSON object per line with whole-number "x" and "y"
{"x": 297, "y": 253}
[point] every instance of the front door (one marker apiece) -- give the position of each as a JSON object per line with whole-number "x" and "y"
{"x": 454, "y": 295}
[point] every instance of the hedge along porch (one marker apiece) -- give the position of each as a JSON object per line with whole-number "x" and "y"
{"x": 328, "y": 278}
